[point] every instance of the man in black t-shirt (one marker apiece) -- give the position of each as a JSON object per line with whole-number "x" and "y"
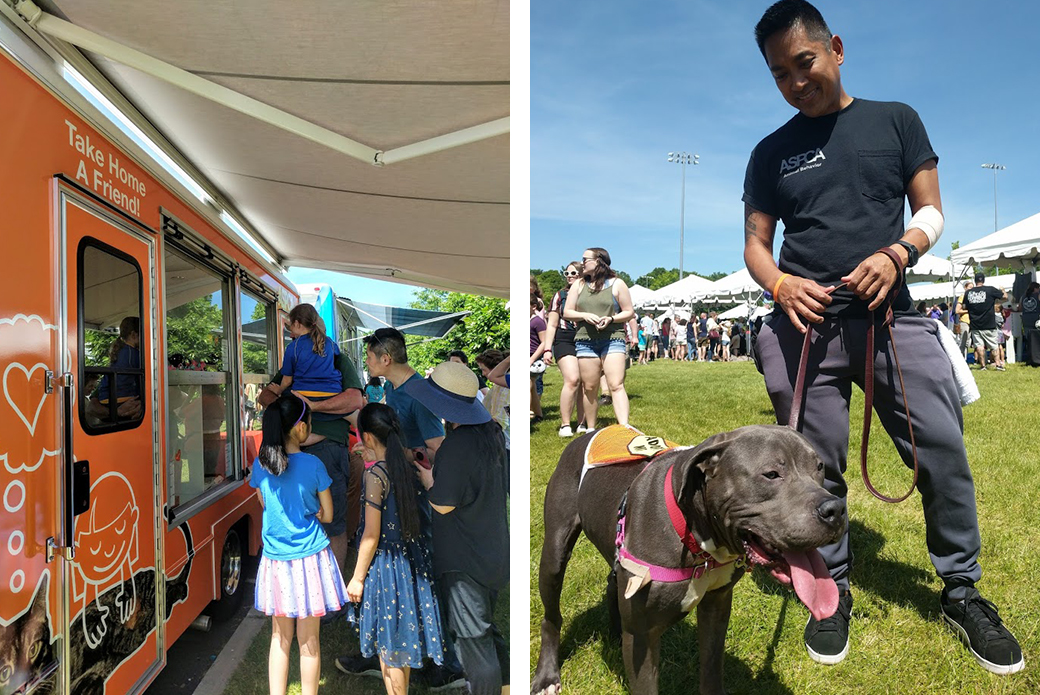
{"x": 467, "y": 492}
{"x": 837, "y": 175}
{"x": 978, "y": 304}
{"x": 1030, "y": 308}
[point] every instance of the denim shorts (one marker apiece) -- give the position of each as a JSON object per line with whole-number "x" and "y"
{"x": 599, "y": 348}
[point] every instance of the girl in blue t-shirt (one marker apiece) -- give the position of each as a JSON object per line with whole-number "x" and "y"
{"x": 298, "y": 579}
{"x": 124, "y": 353}
{"x": 392, "y": 587}
{"x": 374, "y": 391}
{"x": 309, "y": 364}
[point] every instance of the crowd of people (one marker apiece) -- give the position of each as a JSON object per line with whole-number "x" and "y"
{"x": 698, "y": 338}
{"x": 985, "y": 319}
{"x": 593, "y": 334}
{"x": 587, "y": 330}
{"x": 409, "y": 473}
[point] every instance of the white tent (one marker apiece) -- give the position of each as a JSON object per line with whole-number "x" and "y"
{"x": 674, "y": 313}
{"x": 930, "y": 268}
{"x": 929, "y": 292}
{"x": 683, "y": 291}
{"x": 738, "y": 286}
{"x": 742, "y": 311}
{"x": 642, "y": 296}
{"x": 370, "y": 138}
{"x": 1016, "y": 247}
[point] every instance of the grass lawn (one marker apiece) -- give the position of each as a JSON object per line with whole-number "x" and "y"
{"x": 898, "y": 642}
{"x": 337, "y": 638}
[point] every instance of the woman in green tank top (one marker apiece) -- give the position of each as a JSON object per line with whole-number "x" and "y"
{"x": 600, "y": 305}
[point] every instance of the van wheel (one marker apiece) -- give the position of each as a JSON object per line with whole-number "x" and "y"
{"x": 231, "y": 585}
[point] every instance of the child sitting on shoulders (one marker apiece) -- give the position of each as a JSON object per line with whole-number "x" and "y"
{"x": 309, "y": 365}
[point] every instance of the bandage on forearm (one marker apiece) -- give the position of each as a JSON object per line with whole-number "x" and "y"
{"x": 930, "y": 221}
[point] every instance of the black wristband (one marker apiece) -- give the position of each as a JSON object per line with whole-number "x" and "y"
{"x": 911, "y": 253}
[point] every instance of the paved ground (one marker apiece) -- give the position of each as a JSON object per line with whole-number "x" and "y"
{"x": 191, "y": 656}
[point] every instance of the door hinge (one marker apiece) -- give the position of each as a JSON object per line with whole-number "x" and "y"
{"x": 52, "y": 381}
{"x": 54, "y": 549}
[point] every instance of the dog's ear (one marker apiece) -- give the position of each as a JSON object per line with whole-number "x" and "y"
{"x": 701, "y": 462}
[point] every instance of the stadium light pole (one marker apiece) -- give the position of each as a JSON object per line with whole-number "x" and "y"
{"x": 683, "y": 158}
{"x": 995, "y": 168}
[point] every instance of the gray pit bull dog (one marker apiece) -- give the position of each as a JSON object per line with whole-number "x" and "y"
{"x": 753, "y": 496}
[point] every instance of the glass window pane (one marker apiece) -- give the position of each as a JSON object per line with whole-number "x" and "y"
{"x": 258, "y": 362}
{"x": 113, "y": 374}
{"x": 199, "y": 376}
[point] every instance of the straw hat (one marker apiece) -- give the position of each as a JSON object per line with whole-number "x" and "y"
{"x": 450, "y": 392}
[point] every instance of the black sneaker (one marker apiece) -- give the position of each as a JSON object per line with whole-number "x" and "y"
{"x": 979, "y": 625}
{"x": 438, "y": 678}
{"x": 827, "y": 640}
{"x": 358, "y": 665}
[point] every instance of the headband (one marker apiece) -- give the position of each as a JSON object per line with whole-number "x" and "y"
{"x": 302, "y": 412}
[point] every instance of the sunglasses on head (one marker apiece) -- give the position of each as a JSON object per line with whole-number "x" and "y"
{"x": 386, "y": 350}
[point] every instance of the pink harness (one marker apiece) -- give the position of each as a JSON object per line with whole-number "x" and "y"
{"x": 671, "y": 574}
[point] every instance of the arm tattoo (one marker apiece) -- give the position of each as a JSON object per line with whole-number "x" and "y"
{"x": 751, "y": 228}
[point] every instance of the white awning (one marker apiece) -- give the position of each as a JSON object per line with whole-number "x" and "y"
{"x": 930, "y": 268}
{"x": 736, "y": 287}
{"x": 642, "y": 296}
{"x": 368, "y": 138}
{"x": 1016, "y": 247}
{"x": 928, "y": 292}
{"x": 682, "y": 291}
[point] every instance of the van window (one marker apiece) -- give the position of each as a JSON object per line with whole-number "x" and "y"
{"x": 199, "y": 445}
{"x": 111, "y": 367}
{"x": 259, "y": 358}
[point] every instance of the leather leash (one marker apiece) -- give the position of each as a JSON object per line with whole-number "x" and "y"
{"x": 868, "y": 385}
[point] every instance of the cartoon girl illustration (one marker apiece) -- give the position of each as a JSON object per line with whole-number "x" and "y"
{"x": 106, "y": 547}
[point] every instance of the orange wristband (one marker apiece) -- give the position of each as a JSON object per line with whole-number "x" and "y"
{"x": 779, "y": 282}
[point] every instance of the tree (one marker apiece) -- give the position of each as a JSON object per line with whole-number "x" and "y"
{"x": 660, "y": 277}
{"x": 485, "y": 328}
{"x": 549, "y": 281}
{"x": 194, "y": 329}
{"x": 254, "y": 355}
{"x": 625, "y": 277}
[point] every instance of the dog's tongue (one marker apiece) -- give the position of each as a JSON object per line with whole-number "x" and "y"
{"x": 812, "y": 582}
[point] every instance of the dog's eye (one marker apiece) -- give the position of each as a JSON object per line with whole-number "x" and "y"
{"x": 819, "y": 466}
{"x": 771, "y": 475}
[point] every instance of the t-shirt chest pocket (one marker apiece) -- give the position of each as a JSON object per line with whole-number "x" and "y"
{"x": 881, "y": 173}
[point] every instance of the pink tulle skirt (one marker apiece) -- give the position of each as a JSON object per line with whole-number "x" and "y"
{"x": 305, "y": 588}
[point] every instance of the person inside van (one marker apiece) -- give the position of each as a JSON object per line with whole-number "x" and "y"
{"x": 124, "y": 353}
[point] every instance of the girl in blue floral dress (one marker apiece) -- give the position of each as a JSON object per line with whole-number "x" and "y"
{"x": 395, "y": 605}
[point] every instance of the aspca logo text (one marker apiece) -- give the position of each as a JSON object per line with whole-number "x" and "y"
{"x": 793, "y": 163}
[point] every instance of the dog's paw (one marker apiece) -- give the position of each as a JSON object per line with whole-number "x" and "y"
{"x": 547, "y": 689}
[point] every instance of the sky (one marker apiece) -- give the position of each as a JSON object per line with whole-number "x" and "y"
{"x": 616, "y": 86}
{"x": 357, "y": 288}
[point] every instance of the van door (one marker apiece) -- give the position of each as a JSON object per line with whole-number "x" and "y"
{"x": 111, "y": 497}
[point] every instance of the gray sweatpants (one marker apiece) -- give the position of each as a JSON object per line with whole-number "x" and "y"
{"x": 836, "y": 362}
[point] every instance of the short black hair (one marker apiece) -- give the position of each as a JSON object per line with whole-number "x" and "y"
{"x": 460, "y": 354}
{"x": 785, "y": 14}
{"x": 980, "y": 278}
{"x": 388, "y": 341}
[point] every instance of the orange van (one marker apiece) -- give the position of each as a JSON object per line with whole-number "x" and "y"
{"x": 135, "y": 329}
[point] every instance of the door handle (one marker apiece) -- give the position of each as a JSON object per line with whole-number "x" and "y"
{"x": 80, "y": 487}
{"x": 77, "y": 473}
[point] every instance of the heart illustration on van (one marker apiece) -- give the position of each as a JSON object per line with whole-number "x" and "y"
{"x": 28, "y": 379}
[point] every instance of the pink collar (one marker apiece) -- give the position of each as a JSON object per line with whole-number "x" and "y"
{"x": 672, "y": 574}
